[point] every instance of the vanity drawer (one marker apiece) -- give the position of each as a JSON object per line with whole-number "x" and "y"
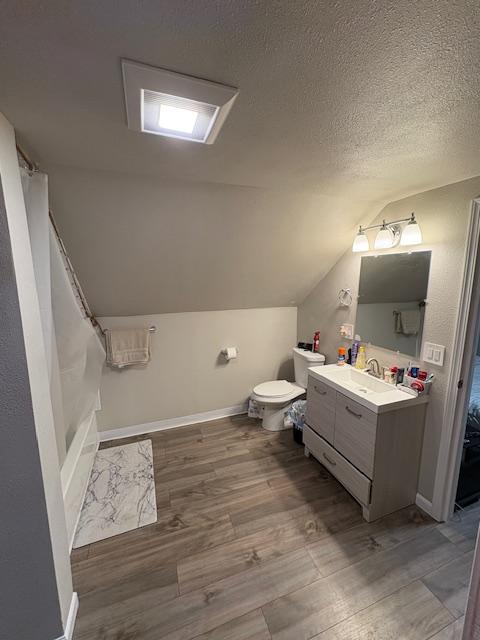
{"x": 320, "y": 415}
{"x": 355, "y": 433}
{"x": 354, "y": 481}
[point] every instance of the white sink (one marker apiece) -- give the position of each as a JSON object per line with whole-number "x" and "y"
{"x": 374, "y": 394}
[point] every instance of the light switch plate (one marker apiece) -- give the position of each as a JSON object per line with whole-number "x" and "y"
{"x": 346, "y": 331}
{"x": 433, "y": 353}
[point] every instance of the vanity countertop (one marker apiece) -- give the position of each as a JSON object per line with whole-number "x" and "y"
{"x": 374, "y": 394}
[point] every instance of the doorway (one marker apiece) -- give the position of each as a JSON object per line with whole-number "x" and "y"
{"x": 468, "y": 484}
{"x": 457, "y": 482}
{"x": 461, "y": 377}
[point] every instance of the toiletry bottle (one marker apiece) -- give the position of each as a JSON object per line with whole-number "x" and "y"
{"x": 316, "y": 341}
{"x": 355, "y": 345}
{"x": 361, "y": 362}
{"x": 394, "y": 372}
{"x": 341, "y": 356}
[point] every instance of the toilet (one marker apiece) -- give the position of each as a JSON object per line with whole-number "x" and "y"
{"x": 274, "y": 398}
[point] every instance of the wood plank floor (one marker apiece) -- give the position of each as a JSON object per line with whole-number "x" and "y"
{"x": 256, "y": 542}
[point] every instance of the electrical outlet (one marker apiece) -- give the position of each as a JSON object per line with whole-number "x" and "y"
{"x": 433, "y": 353}
{"x": 346, "y": 331}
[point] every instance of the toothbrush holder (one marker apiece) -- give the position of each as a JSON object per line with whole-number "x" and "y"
{"x": 408, "y": 380}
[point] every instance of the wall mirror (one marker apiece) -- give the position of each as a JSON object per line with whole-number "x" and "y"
{"x": 391, "y": 300}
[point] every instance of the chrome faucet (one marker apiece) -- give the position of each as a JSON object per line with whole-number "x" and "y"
{"x": 373, "y": 368}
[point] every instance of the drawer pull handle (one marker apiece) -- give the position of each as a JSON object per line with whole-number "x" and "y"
{"x": 357, "y": 415}
{"x": 329, "y": 460}
{"x": 322, "y": 393}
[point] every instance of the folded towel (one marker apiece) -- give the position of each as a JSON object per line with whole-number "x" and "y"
{"x": 407, "y": 322}
{"x": 398, "y": 321}
{"x": 127, "y": 346}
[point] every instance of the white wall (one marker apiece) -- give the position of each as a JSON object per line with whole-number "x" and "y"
{"x": 187, "y": 374}
{"x": 36, "y": 362}
{"x": 443, "y": 215}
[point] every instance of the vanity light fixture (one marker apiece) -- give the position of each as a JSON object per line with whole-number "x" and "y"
{"x": 412, "y": 233}
{"x": 385, "y": 237}
{"x": 389, "y": 235}
{"x": 170, "y": 104}
{"x": 361, "y": 241}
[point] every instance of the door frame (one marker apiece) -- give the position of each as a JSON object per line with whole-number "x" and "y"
{"x": 471, "y": 625}
{"x": 466, "y": 334}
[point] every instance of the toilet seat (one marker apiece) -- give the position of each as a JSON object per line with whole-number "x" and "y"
{"x": 280, "y": 392}
{"x": 273, "y": 389}
{"x": 271, "y": 400}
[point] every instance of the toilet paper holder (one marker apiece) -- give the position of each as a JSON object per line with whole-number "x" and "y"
{"x": 230, "y": 353}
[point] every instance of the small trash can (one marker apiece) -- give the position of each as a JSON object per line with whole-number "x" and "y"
{"x": 296, "y": 416}
{"x": 254, "y": 409}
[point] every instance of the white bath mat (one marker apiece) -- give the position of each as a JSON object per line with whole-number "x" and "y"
{"x": 120, "y": 494}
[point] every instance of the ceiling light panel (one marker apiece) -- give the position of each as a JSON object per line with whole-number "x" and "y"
{"x": 169, "y": 104}
{"x": 177, "y": 118}
{"x": 172, "y": 116}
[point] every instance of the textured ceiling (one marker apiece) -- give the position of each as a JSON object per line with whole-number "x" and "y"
{"x": 354, "y": 104}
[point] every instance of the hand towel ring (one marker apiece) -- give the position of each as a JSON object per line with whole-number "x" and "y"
{"x": 345, "y": 297}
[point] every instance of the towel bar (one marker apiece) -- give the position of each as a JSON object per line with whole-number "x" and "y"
{"x": 152, "y": 329}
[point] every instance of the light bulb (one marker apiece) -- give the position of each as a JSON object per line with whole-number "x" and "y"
{"x": 177, "y": 119}
{"x": 360, "y": 243}
{"x": 411, "y": 234}
{"x": 385, "y": 239}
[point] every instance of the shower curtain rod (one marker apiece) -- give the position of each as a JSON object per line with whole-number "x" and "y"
{"x": 32, "y": 166}
{"x": 73, "y": 275}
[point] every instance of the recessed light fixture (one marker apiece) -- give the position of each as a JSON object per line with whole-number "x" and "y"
{"x": 169, "y": 104}
{"x": 389, "y": 235}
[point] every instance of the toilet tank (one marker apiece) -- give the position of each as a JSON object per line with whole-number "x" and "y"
{"x": 303, "y": 359}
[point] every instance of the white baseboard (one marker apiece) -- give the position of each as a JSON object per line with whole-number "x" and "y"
{"x": 424, "y": 504}
{"x": 171, "y": 423}
{"x": 72, "y": 616}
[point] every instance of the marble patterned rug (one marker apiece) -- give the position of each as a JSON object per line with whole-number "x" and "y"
{"x": 120, "y": 494}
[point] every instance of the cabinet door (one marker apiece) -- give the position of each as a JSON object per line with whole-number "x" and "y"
{"x": 355, "y": 432}
{"x": 321, "y": 408}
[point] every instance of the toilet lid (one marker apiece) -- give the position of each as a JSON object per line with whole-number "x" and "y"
{"x": 273, "y": 389}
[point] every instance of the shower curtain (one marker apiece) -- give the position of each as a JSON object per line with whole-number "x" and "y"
{"x": 80, "y": 353}
{"x": 73, "y": 350}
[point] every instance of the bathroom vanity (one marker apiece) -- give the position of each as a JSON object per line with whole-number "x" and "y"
{"x": 368, "y": 434}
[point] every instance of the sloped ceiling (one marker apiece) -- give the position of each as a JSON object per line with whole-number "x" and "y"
{"x": 342, "y": 107}
{"x": 144, "y": 246}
